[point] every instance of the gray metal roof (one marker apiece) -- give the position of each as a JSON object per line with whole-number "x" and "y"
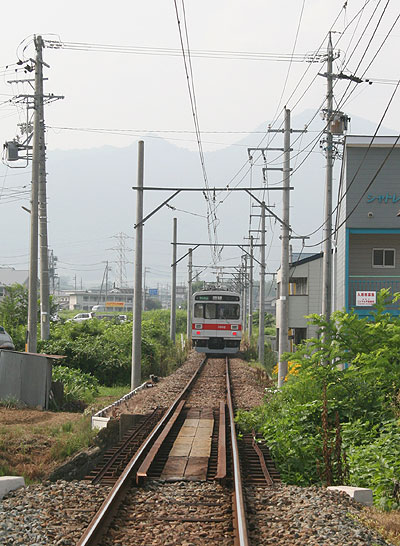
{"x": 9, "y": 276}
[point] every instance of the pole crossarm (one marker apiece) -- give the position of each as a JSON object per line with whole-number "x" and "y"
{"x": 184, "y": 256}
{"x": 251, "y": 256}
{"x": 179, "y": 190}
{"x": 225, "y": 188}
{"x": 208, "y": 244}
{"x": 156, "y": 209}
{"x": 269, "y": 210}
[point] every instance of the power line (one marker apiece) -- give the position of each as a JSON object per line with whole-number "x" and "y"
{"x": 212, "y": 220}
{"x": 359, "y": 167}
{"x": 171, "y": 52}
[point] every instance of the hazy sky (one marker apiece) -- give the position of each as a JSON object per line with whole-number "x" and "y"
{"x": 142, "y": 93}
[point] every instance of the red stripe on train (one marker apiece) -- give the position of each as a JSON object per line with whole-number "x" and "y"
{"x": 215, "y": 327}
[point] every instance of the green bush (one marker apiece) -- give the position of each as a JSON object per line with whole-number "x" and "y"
{"x": 78, "y": 386}
{"x": 374, "y": 461}
{"x": 362, "y": 398}
{"x": 104, "y": 349}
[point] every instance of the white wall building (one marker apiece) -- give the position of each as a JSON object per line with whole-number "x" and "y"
{"x": 305, "y": 293}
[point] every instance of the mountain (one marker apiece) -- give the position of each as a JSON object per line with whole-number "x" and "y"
{"x": 90, "y": 199}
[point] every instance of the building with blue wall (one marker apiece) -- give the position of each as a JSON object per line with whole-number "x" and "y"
{"x": 367, "y": 256}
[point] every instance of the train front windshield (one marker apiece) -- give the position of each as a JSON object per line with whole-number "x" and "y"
{"x": 221, "y": 311}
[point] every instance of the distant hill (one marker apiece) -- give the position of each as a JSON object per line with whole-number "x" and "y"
{"x": 90, "y": 199}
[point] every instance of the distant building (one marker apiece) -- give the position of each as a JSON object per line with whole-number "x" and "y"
{"x": 305, "y": 289}
{"x": 10, "y": 276}
{"x": 367, "y": 254}
{"x": 116, "y": 299}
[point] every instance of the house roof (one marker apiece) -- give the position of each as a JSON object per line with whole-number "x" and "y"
{"x": 307, "y": 258}
{"x": 9, "y": 276}
{"x": 368, "y": 140}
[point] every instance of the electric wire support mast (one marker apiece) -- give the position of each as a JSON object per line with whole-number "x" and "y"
{"x": 217, "y": 321}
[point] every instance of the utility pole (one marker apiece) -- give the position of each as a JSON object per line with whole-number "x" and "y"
{"x": 42, "y": 206}
{"x": 284, "y": 293}
{"x": 144, "y": 288}
{"x": 38, "y": 210}
{"x": 245, "y": 288}
{"x": 327, "y": 233}
{"x": 33, "y": 265}
{"x": 137, "y": 306}
{"x": 189, "y": 298}
{"x": 173, "y": 281}
{"x": 106, "y": 291}
{"x": 251, "y": 287}
{"x": 261, "y": 318}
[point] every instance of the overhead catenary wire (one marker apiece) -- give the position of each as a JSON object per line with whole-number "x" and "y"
{"x": 212, "y": 220}
{"x": 358, "y": 170}
{"x": 340, "y": 104}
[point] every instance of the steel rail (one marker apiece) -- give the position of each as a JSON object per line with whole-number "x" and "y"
{"x": 109, "y": 465}
{"x": 242, "y": 538}
{"x": 102, "y": 518}
{"x": 221, "y": 465}
{"x": 267, "y": 475}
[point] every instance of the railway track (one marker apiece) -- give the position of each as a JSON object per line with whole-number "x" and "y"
{"x": 185, "y": 478}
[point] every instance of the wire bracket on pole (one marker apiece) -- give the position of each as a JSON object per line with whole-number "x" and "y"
{"x": 157, "y": 209}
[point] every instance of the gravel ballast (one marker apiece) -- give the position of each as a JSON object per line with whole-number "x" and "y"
{"x": 282, "y": 516}
{"x": 57, "y": 513}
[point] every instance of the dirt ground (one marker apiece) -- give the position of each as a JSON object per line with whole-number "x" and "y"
{"x": 29, "y": 439}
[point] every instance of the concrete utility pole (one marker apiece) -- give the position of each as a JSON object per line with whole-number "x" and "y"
{"x": 261, "y": 318}
{"x": 284, "y": 293}
{"x": 251, "y": 287}
{"x": 36, "y": 156}
{"x": 173, "y": 281}
{"x": 189, "y": 298}
{"x": 144, "y": 288}
{"x": 42, "y": 207}
{"x": 137, "y": 296}
{"x": 327, "y": 233}
{"x": 245, "y": 288}
{"x": 106, "y": 290}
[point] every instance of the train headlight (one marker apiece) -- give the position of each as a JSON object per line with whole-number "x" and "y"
{"x": 234, "y": 327}
{"x": 198, "y": 326}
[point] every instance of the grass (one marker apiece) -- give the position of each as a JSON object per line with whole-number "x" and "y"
{"x": 10, "y": 402}
{"x": 386, "y": 523}
{"x": 106, "y": 396}
{"x": 72, "y": 437}
{"x": 33, "y": 450}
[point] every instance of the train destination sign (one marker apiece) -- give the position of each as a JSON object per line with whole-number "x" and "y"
{"x": 365, "y": 298}
{"x": 216, "y": 297}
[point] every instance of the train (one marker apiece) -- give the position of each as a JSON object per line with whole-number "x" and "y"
{"x": 216, "y": 321}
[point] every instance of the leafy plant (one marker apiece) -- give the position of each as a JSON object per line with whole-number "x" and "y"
{"x": 104, "y": 349}
{"x": 354, "y": 365}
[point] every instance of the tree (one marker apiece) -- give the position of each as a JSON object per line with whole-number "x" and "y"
{"x": 14, "y": 313}
{"x": 152, "y": 303}
{"x": 14, "y": 306}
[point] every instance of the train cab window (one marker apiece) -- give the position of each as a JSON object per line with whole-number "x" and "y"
{"x": 228, "y": 311}
{"x": 210, "y": 311}
{"x": 199, "y": 310}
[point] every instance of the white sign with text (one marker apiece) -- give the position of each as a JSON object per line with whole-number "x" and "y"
{"x": 365, "y": 298}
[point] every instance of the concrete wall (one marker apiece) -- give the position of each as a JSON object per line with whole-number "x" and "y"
{"x": 375, "y": 210}
{"x": 360, "y": 253}
{"x": 304, "y": 304}
{"x": 25, "y": 377}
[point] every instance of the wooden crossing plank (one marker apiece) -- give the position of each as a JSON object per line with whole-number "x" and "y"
{"x": 196, "y": 468}
{"x": 142, "y": 472}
